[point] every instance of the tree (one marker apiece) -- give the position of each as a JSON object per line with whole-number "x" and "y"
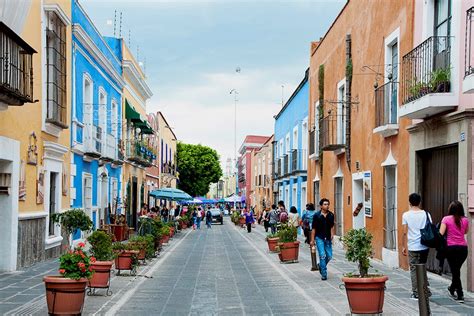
{"x": 198, "y": 166}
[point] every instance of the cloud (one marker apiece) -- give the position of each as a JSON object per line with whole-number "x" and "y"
{"x": 204, "y": 112}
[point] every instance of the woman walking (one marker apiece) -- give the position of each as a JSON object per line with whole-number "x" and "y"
{"x": 209, "y": 219}
{"x": 455, "y": 226}
{"x": 293, "y": 217}
{"x": 249, "y": 220}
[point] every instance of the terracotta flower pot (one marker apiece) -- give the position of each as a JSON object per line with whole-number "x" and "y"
{"x": 124, "y": 260}
{"x": 289, "y": 251}
{"x": 171, "y": 231}
{"x": 101, "y": 276}
{"x": 365, "y": 295}
{"x": 242, "y": 221}
{"x": 272, "y": 243}
{"x": 64, "y": 296}
{"x": 183, "y": 225}
{"x": 165, "y": 239}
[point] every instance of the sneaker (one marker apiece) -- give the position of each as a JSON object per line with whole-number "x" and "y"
{"x": 451, "y": 292}
{"x": 414, "y": 296}
{"x": 324, "y": 278}
{"x": 459, "y": 299}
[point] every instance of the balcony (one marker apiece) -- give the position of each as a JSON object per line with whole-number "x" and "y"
{"x": 169, "y": 169}
{"x": 110, "y": 148}
{"x": 139, "y": 153}
{"x": 286, "y": 165}
{"x": 426, "y": 82}
{"x": 294, "y": 160}
{"x": 332, "y": 132}
{"x": 468, "y": 82}
{"x": 16, "y": 69}
{"x": 92, "y": 141}
{"x": 386, "y": 108}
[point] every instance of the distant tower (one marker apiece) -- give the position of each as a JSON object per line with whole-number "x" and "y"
{"x": 228, "y": 166}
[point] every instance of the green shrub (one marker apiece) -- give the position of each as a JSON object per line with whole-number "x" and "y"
{"x": 358, "y": 243}
{"x": 287, "y": 233}
{"x": 101, "y": 246}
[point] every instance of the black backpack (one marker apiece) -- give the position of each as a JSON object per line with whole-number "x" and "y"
{"x": 430, "y": 236}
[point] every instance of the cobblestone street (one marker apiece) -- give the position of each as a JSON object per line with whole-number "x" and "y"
{"x": 224, "y": 271}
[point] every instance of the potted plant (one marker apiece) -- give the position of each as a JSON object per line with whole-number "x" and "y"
{"x": 288, "y": 246}
{"x": 65, "y": 293}
{"x": 101, "y": 249}
{"x": 272, "y": 240}
{"x": 241, "y": 221}
{"x": 440, "y": 80}
{"x": 127, "y": 257}
{"x": 165, "y": 234}
{"x": 365, "y": 292}
{"x": 139, "y": 243}
{"x": 72, "y": 220}
{"x": 235, "y": 218}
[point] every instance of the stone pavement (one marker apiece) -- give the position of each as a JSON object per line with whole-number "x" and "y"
{"x": 226, "y": 271}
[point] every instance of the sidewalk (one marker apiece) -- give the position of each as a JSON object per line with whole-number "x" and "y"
{"x": 397, "y": 295}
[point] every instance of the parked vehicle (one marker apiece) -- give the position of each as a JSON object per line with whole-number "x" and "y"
{"x": 217, "y": 215}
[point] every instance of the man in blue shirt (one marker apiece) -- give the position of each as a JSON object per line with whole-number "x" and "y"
{"x": 322, "y": 234}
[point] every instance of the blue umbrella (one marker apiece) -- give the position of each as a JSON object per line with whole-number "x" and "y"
{"x": 170, "y": 194}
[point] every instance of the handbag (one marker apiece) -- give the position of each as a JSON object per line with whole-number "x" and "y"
{"x": 430, "y": 236}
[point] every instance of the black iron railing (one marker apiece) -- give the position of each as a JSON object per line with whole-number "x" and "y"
{"x": 469, "y": 45}
{"x": 333, "y": 131}
{"x": 426, "y": 69}
{"x": 286, "y": 158}
{"x": 386, "y": 104}
{"x": 312, "y": 141}
{"x": 294, "y": 160}
{"x": 16, "y": 68}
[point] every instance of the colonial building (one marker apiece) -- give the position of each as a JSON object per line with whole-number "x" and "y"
{"x": 35, "y": 98}
{"x": 96, "y": 116}
{"x": 244, "y": 166}
{"x": 291, "y": 153}
{"x": 262, "y": 177}
{"x": 437, "y": 86}
{"x": 358, "y": 144}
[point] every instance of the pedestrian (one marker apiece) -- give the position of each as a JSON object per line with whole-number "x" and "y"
{"x": 199, "y": 218}
{"x": 283, "y": 216}
{"x": 455, "y": 226}
{"x": 307, "y": 221}
{"x": 321, "y": 234}
{"x": 273, "y": 219}
{"x": 194, "y": 215}
{"x": 266, "y": 219}
{"x": 249, "y": 220}
{"x": 293, "y": 217}
{"x": 412, "y": 221}
{"x": 209, "y": 218}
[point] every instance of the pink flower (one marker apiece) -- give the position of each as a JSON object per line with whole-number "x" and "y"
{"x": 81, "y": 265}
{"x": 93, "y": 259}
{"x": 81, "y": 245}
{"x": 62, "y": 271}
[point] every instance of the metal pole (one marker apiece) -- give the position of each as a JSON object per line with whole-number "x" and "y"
{"x": 423, "y": 299}
{"x": 314, "y": 259}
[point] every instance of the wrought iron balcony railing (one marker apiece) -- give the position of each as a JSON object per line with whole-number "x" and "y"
{"x": 386, "y": 104}
{"x": 426, "y": 69}
{"x": 139, "y": 153}
{"x": 294, "y": 160}
{"x": 333, "y": 131}
{"x": 469, "y": 45}
{"x": 312, "y": 142}
{"x": 16, "y": 68}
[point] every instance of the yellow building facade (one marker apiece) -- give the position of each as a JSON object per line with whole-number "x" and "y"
{"x": 34, "y": 128}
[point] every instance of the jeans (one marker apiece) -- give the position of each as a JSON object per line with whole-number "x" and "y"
{"x": 273, "y": 228}
{"x": 325, "y": 255}
{"x": 417, "y": 257}
{"x": 198, "y": 223}
{"x": 209, "y": 223}
{"x": 456, "y": 256}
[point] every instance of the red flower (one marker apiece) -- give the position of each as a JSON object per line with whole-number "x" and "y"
{"x": 93, "y": 259}
{"x": 62, "y": 271}
{"x": 90, "y": 269}
{"x": 81, "y": 265}
{"x": 81, "y": 245}
{"x": 83, "y": 270}
{"x": 83, "y": 256}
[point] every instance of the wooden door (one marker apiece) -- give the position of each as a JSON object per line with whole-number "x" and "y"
{"x": 439, "y": 181}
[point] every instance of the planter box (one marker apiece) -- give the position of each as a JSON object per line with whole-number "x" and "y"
{"x": 64, "y": 296}
{"x": 288, "y": 251}
{"x": 124, "y": 261}
{"x": 365, "y": 295}
{"x": 272, "y": 243}
{"x": 101, "y": 277}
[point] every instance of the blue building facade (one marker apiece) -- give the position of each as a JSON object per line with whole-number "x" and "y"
{"x": 96, "y": 121}
{"x": 291, "y": 148}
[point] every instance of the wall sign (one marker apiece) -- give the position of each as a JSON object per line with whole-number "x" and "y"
{"x": 32, "y": 150}
{"x": 40, "y": 186}
{"x": 368, "y": 194}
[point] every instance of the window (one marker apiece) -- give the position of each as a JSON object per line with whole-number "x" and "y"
{"x": 390, "y": 208}
{"x": 87, "y": 198}
{"x": 338, "y": 205}
{"x": 304, "y": 146}
{"x": 102, "y": 120}
{"x": 87, "y": 107}
{"x": 53, "y": 190}
{"x": 394, "y": 87}
{"x": 115, "y": 196}
{"x": 442, "y": 21}
{"x": 316, "y": 193}
{"x": 341, "y": 114}
{"x": 294, "y": 197}
{"x": 55, "y": 70}
{"x": 316, "y": 128}
{"x": 303, "y": 198}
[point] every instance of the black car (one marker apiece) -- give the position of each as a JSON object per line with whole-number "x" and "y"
{"x": 217, "y": 215}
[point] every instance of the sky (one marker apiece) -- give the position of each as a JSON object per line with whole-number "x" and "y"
{"x": 191, "y": 50}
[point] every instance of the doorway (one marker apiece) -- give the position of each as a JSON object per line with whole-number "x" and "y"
{"x": 439, "y": 186}
{"x": 338, "y": 206}
{"x": 133, "y": 204}
{"x": 358, "y": 197}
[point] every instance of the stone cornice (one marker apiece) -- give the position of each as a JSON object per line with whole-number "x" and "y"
{"x": 90, "y": 46}
{"x": 435, "y": 122}
{"x": 137, "y": 79}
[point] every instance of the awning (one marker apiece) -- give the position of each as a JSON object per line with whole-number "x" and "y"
{"x": 144, "y": 127}
{"x": 137, "y": 119}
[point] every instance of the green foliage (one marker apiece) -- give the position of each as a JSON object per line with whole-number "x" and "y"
{"x": 358, "y": 243}
{"x": 287, "y": 233}
{"x": 198, "y": 167}
{"x": 349, "y": 69}
{"x": 75, "y": 264}
{"x": 439, "y": 76}
{"x": 146, "y": 242}
{"x": 73, "y": 220}
{"x": 235, "y": 217}
{"x": 165, "y": 231}
{"x": 270, "y": 235}
{"x": 101, "y": 245}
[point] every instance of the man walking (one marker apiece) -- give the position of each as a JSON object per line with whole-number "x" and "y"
{"x": 273, "y": 218}
{"x": 321, "y": 234}
{"x": 199, "y": 218}
{"x": 412, "y": 221}
{"x": 209, "y": 218}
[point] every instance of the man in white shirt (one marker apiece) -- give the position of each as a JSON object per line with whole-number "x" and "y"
{"x": 413, "y": 220}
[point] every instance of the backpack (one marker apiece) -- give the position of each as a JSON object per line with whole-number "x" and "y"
{"x": 283, "y": 217}
{"x": 430, "y": 236}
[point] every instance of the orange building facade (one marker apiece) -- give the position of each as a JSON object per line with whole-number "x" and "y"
{"x": 358, "y": 144}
